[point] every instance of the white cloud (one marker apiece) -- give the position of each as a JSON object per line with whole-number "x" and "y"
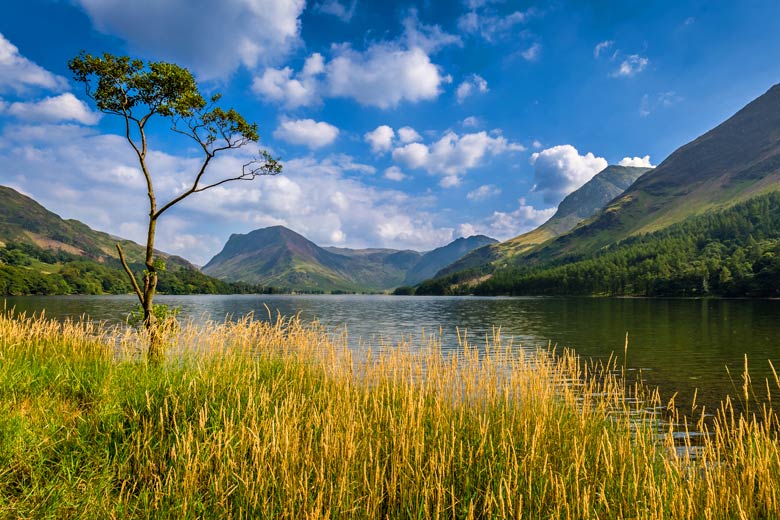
{"x": 212, "y": 41}
{"x": 95, "y": 178}
{"x": 601, "y": 47}
{"x": 643, "y": 162}
{"x": 65, "y": 107}
{"x": 380, "y": 138}
{"x": 383, "y": 75}
{"x": 471, "y": 122}
{"x": 429, "y": 38}
{"x": 290, "y": 89}
{"x": 337, "y": 9}
{"x": 17, "y": 73}
{"x": 407, "y": 134}
{"x": 307, "y": 132}
{"x": 484, "y": 192}
{"x": 472, "y": 84}
{"x": 561, "y": 169}
{"x": 504, "y": 225}
{"x": 453, "y": 155}
{"x": 536, "y": 144}
{"x": 631, "y": 66}
{"x": 532, "y": 53}
{"x": 394, "y": 173}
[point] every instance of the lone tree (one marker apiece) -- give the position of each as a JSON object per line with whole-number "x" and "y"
{"x": 137, "y": 92}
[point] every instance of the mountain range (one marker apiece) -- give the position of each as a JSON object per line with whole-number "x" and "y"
{"x": 281, "y": 258}
{"x": 737, "y": 161}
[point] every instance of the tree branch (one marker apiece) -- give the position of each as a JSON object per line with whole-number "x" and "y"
{"x": 130, "y": 274}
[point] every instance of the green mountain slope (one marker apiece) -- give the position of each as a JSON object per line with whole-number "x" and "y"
{"x": 729, "y": 252}
{"x": 432, "y": 262}
{"x": 40, "y": 253}
{"x": 279, "y": 257}
{"x": 575, "y": 208}
{"x": 735, "y": 161}
{"x": 23, "y": 220}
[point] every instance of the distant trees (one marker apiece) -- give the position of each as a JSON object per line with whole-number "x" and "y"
{"x": 137, "y": 92}
{"x": 734, "y": 252}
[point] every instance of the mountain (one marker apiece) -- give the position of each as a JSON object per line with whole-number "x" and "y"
{"x": 279, "y": 257}
{"x": 735, "y": 163}
{"x": 433, "y": 261}
{"x": 575, "y": 208}
{"x": 23, "y": 220}
{"x": 41, "y": 253}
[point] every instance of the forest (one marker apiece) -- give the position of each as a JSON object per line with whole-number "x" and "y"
{"x": 733, "y": 252}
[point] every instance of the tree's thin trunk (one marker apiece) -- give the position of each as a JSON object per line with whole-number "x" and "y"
{"x": 155, "y": 353}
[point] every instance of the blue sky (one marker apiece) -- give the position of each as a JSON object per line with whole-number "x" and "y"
{"x": 399, "y": 124}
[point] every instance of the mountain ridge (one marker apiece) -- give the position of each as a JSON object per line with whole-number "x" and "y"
{"x": 277, "y": 256}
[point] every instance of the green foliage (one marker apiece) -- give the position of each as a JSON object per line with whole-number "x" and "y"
{"x": 734, "y": 252}
{"x": 162, "y": 313}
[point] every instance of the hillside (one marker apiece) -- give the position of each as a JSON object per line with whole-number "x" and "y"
{"x": 575, "y": 208}
{"x": 729, "y": 252}
{"x": 737, "y": 161}
{"x": 279, "y": 257}
{"x": 734, "y": 161}
{"x": 41, "y": 253}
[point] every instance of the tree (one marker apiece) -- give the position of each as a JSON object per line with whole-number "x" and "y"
{"x": 137, "y": 92}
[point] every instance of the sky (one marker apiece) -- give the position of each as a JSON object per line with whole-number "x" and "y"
{"x": 398, "y": 124}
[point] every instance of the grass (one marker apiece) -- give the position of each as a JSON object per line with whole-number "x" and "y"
{"x": 252, "y": 420}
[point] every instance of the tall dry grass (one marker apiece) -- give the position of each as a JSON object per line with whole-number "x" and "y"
{"x": 253, "y": 420}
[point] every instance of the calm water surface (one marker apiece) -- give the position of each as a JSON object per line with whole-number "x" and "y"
{"x": 679, "y": 345}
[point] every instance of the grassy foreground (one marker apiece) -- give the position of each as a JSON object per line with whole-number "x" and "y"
{"x": 279, "y": 421}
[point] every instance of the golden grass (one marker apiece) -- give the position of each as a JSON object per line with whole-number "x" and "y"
{"x": 252, "y": 420}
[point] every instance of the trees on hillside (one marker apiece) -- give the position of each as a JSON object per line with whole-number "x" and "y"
{"x": 137, "y": 93}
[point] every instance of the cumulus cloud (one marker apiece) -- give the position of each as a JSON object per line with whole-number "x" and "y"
{"x": 324, "y": 199}
{"x": 602, "y": 47}
{"x": 380, "y": 138}
{"x": 631, "y": 66}
{"x": 307, "y": 132}
{"x": 643, "y": 162}
{"x": 453, "y": 155}
{"x": 65, "y": 107}
{"x": 407, "y": 134}
{"x": 471, "y": 122}
{"x": 17, "y": 73}
{"x": 291, "y": 89}
{"x": 561, "y": 169}
{"x": 394, "y": 173}
{"x": 472, "y": 84}
{"x": 483, "y": 192}
{"x": 384, "y": 75}
{"x": 504, "y": 225}
{"x": 212, "y": 41}
{"x": 338, "y": 9}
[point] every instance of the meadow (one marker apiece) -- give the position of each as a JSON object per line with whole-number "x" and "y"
{"x": 251, "y": 419}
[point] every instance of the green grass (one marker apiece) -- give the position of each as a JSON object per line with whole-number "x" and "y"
{"x": 250, "y": 420}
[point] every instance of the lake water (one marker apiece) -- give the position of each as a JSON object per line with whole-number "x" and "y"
{"x": 678, "y": 344}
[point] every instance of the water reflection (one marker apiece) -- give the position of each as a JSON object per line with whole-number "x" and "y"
{"x": 678, "y": 345}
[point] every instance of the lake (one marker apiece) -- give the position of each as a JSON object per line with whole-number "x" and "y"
{"x": 678, "y": 344}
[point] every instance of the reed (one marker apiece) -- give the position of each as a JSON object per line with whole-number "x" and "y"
{"x": 259, "y": 420}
